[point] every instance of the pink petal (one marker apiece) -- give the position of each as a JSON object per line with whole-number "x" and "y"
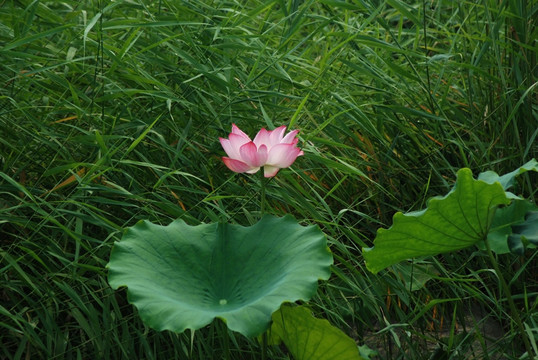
{"x": 236, "y": 130}
{"x": 262, "y": 154}
{"x": 236, "y": 165}
{"x": 270, "y": 171}
{"x": 236, "y": 141}
{"x": 283, "y": 155}
{"x": 230, "y": 151}
{"x": 275, "y": 136}
{"x": 253, "y": 156}
{"x": 289, "y": 138}
{"x": 263, "y": 138}
{"x": 253, "y": 170}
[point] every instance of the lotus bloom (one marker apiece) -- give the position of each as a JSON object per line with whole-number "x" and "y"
{"x": 269, "y": 149}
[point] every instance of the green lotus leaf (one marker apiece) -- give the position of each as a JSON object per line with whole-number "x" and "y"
{"x": 182, "y": 277}
{"x": 504, "y": 222}
{"x": 452, "y": 222}
{"x": 308, "y": 338}
{"x": 524, "y": 235}
{"x": 507, "y": 180}
{"x": 415, "y": 276}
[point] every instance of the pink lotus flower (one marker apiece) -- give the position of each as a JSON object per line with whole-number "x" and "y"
{"x": 269, "y": 149}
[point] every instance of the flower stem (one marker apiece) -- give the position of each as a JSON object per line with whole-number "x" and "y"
{"x": 264, "y": 346}
{"x": 226, "y": 340}
{"x": 262, "y": 190}
{"x": 511, "y": 304}
{"x": 262, "y": 211}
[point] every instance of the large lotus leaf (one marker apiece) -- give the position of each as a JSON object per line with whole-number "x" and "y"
{"x": 182, "y": 277}
{"x": 452, "y": 222}
{"x": 308, "y": 338}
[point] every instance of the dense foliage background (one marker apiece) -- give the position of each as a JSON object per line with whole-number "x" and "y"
{"x": 110, "y": 113}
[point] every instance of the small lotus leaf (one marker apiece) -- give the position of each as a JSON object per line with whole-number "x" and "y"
{"x": 505, "y": 222}
{"x": 507, "y": 180}
{"x": 452, "y": 222}
{"x": 182, "y": 277}
{"x": 415, "y": 276}
{"x": 524, "y": 235}
{"x": 308, "y": 338}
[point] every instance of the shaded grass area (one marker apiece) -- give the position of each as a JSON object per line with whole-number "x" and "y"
{"x": 110, "y": 113}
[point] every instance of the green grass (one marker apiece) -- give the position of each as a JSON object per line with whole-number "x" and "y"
{"x": 110, "y": 112}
